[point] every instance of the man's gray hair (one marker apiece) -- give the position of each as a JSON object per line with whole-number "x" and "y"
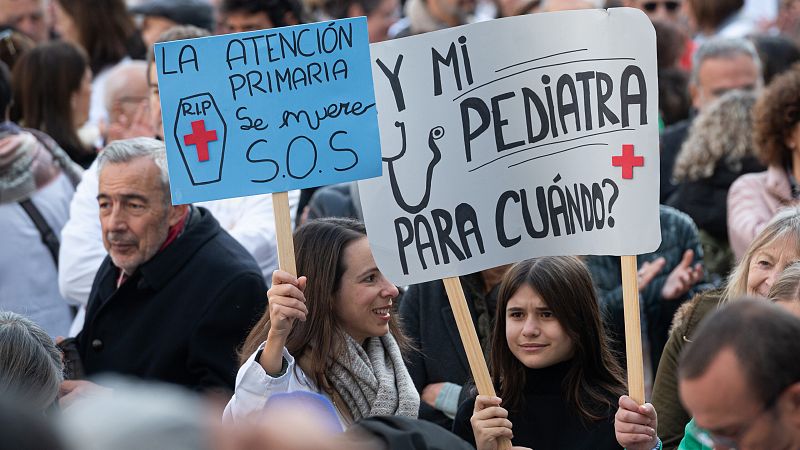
{"x": 31, "y": 369}
{"x": 121, "y": 77}
{"x": 719, "y": 47}
{"x": 127, "y": 150}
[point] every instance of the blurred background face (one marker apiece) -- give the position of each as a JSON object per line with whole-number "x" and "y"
{"x": 127, "y": 92}
{"x": 152, "y": 27}
{"x": 451, "y": 12}
{"x": 81, "y": 100}
{"x": 238, "y": 22}
{"x": 666, "y": 10}
{"x": 65, "y": 25}
{"x": 380, "y": 19}
{"x": 566, "y": 5}
{"x": 155, "y": 103}
{"x": 720, "y": 75}
{"x": 27, "y": 16}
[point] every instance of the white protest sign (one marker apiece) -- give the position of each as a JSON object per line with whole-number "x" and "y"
{"x": 513, "y": 138}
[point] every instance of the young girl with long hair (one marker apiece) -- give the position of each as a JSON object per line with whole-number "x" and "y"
{"x": 332, "y": 331}
{"x": 557, "y": 382}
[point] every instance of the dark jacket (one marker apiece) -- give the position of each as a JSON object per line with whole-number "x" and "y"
{"x": 181, "y": 316}
{"x": 678, "y": 234}
{"x": 706, "y": 200}
{"x": 405, "y": 433}
{"x": 428, "y": 321}
{"x": 671, "y": 141}
{"x": 545, "y": 421}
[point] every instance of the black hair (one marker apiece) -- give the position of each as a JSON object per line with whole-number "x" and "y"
{"x": 777, "y": 53}
{"x": 276, "y": 10}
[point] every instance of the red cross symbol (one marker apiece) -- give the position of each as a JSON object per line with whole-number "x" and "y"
{"x": 200, "y": 139}
{"x": 627, "y": 161}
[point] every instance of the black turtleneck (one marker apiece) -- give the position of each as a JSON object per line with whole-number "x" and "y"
{"x": 545, "y": 421}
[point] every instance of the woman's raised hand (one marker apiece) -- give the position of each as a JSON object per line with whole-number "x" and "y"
{"x": 635, "y": 425}
{"x": 489, "y": 421}
{"x": 287, "y": 303}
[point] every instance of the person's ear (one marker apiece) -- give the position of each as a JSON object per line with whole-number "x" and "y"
{"x": 176, "y": 213}
{"x": 792, "y": 404}
{"x": 355, "y": 10}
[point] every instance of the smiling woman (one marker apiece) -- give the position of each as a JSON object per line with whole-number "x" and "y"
{"x": 775, "y": 247}
{"x": 330, "y": 331}
{"x": 551, "y": 363}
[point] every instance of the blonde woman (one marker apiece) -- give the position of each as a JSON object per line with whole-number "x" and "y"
{"x": 777, "y": 246}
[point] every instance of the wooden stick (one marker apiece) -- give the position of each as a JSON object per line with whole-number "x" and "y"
{"x": 633, "y": 329}
{"x": 466, "y": 329}
{"x": 283, "y": 231}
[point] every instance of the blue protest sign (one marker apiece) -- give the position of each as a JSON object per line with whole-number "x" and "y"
{"x": 268, "y": 111}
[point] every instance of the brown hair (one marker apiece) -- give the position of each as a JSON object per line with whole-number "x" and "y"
{"x": 776, "y": 114}
{"x": 710, "y": 14}
{"x": 106, "y": 31}
{"x": 43, "y": 81}
{"x": 595, "y": 380}
{"x": 319, "y": 255}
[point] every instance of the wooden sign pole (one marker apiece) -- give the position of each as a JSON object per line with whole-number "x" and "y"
{"x": 283, "y": 232}
{"x": 633, "y": 329}
{"x": 466, "y": 329}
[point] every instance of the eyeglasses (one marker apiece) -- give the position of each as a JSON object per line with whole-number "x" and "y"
{"x": 670, "y": 6}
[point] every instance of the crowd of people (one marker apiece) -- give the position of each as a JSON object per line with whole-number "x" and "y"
{"x": 127, "y": 322}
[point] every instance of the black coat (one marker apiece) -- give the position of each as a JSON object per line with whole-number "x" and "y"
{"x": 706, "y": 200}
{"x": 544, "y": 420}
{"x": 181, "y": 316}
{"x": 405, "y": 433}
{"x": 428, "y": 320}
{"x": 671, "y": 140}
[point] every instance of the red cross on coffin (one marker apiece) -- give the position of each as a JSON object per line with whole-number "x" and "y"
{"x": 200, "y": 139}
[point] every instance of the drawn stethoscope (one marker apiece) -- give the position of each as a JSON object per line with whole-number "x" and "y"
{"x": 434, "y": 135}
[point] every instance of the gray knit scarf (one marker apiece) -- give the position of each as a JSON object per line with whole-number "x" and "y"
{"x": 373, "y": 380}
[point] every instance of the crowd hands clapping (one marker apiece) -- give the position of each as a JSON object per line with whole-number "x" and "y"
{"x": 339, "y": 357}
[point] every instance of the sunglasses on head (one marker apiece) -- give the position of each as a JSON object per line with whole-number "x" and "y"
{"x": 670, "y": 6}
